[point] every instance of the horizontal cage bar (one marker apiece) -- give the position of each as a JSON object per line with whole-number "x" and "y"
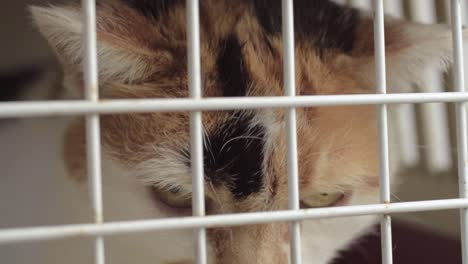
{"x": 16, "y": 235}
{"x": 80, "y": 107}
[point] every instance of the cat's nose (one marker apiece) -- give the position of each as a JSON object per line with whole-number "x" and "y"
{"x": 253, "y": 245}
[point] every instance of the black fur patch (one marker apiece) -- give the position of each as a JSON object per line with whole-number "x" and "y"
{"x": 231, "y": 69}
{"x": 326, "y": 24}
{"x": 153, "y": 8}
{"x": 233, "y": 155}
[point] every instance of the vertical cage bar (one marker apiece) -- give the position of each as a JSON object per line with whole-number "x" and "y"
{"x": 93, "y": 141}
{"x": 459, "y": 82}
{"x": 291, "y": 127}
{"x": 196, "y": 126}
{"x": 380, "y": 74}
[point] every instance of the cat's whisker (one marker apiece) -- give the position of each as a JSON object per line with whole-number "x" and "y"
{"x": 237, "y": 138}
{"x": 216, "y": 197}
{"x": 396, "y": 197}
{"x": 208, "y": 144}
{"x": 335, "y": 150}
{"x": 231, "y": 238}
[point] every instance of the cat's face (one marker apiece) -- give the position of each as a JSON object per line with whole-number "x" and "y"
{"x": 142, "y": 53}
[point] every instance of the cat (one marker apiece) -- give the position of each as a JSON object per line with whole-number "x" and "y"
{"x": 146, "y": 157}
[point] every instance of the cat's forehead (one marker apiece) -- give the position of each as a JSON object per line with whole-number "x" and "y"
{"x": 241, "y": 45}
{"x": 325, "y": 24}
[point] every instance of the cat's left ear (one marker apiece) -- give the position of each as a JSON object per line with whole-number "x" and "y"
{"x": 411, "y": 48}
{"x": 127, "y": 43}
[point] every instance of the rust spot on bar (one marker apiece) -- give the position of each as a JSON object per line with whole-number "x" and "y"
{"x": 98, "y": 217}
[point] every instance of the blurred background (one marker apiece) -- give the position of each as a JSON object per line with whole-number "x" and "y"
{"x": 426, "y": 146}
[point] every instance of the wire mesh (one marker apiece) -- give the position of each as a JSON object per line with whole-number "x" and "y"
{"x": 92, "y": 108}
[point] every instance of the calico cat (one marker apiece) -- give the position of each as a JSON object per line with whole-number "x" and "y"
{"x": 142, "y": 54}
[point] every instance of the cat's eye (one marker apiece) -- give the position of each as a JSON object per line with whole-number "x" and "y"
{"x": 321, "y": 200}
{"x": 172, "y": 196}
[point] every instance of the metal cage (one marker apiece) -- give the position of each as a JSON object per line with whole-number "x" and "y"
{"x": 91, "y": 108}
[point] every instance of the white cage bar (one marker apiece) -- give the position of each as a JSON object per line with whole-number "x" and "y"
{"x": 459, "y": 82}
{"x": 16, "y": 235}
{"x": 291, "y": 127}
{"x": 381, "y": 86}
{"x": 196, "y": 126}
{"x": 93, "y": 136}
{"x": 92, "y": 107}
{"x": 63, "y": 108}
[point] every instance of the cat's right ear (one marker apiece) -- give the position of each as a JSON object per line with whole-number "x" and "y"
{"x": 411, "y": 48}
{"x": 125, "y": 51}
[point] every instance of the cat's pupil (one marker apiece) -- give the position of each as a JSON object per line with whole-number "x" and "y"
{"x": 324, "y": 194}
